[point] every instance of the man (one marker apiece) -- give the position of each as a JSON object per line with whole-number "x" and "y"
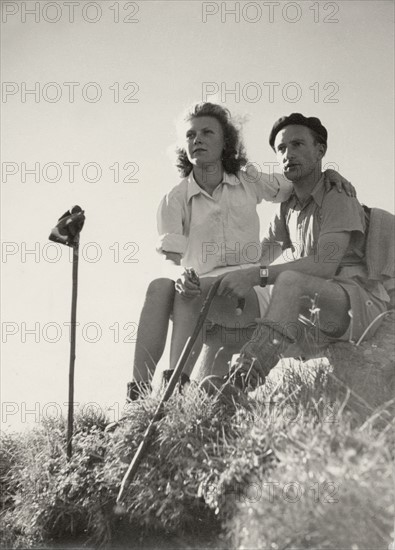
{"x": 326, "y": 283}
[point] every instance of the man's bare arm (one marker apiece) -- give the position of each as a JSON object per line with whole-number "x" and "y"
{"x": 331, "y": 248}
{"x": 270, "y": 251}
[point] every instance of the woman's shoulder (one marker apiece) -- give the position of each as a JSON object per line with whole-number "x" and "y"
{"x": 178, "y": 192}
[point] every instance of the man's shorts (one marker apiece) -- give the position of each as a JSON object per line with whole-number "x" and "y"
{"x": 364, "y": 310}
{"x": 364, "y": 307}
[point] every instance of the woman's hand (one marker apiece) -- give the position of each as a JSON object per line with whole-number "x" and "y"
{"x": 173, "y": 257}
{"x": 334, "y": 178}
{"x": 187, "y": 285}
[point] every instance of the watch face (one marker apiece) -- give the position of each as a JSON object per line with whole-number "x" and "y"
{"x": 264, "y": 272}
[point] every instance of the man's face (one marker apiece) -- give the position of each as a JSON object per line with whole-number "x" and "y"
{"x": 298, "y": 154}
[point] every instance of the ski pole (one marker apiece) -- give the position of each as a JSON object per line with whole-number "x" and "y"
{"x": 67, "y": 231}
{"x": 134, "y": 464}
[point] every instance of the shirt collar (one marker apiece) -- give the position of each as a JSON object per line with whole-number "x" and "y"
{"x": 317, "y": 194}
{"x": 194, "y": 189}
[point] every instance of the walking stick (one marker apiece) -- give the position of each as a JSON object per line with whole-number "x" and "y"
{"x": 67, "y": 231}
{"x": 70, "y": 416}
{"x": 133, "y": 466}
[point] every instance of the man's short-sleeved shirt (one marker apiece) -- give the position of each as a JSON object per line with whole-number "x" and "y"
{"x": 298, "y": 226}
{"x": 221, "y": 229}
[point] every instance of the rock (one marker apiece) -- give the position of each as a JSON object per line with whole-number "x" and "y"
{"x": 367, "y": 371}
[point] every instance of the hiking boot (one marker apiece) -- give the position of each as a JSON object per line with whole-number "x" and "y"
{"x": 137, "y": 390}
{"x": 246, "y": 373}
{"x": 225, "y": 391}
{"x": 182, "y": 382}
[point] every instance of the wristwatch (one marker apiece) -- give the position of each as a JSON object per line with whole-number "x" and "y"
{"x": 263, "y": 275}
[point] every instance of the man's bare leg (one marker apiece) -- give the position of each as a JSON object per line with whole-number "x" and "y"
{"x": 292, "y": 294}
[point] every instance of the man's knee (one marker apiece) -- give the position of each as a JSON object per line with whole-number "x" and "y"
{"x": 289, "y": 280}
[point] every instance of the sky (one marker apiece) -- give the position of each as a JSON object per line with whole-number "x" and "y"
{"x": 91, "y": 92}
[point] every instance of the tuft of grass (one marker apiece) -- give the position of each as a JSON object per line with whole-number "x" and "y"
{"x": 46, "y": 497}
{"x": 332, "y": 488}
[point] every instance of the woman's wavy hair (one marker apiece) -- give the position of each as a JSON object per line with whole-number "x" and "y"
{"x": 234, "y": 155}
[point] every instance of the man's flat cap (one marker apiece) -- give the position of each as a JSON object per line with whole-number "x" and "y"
{"x": 296, "y": 118}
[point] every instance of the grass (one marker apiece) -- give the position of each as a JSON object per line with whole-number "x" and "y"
{"x": 295, "y": 470}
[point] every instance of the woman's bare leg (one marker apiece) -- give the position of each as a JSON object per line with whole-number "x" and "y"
{"x": 185, "y": 315}
{"x": 223, "y": 310}
{"x": 220, "y": 344}
{"x": 215, "y": 355}
{"x": 152, "y": 329}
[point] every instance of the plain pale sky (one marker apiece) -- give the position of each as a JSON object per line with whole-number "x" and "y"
{"x": 131, "y": 80}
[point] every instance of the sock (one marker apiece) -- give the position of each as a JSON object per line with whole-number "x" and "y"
{"x": 260, "y": 354}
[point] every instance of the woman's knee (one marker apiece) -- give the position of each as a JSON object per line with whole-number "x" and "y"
{"x": 158, "y": 286}
{"x": 160, "y": 293}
